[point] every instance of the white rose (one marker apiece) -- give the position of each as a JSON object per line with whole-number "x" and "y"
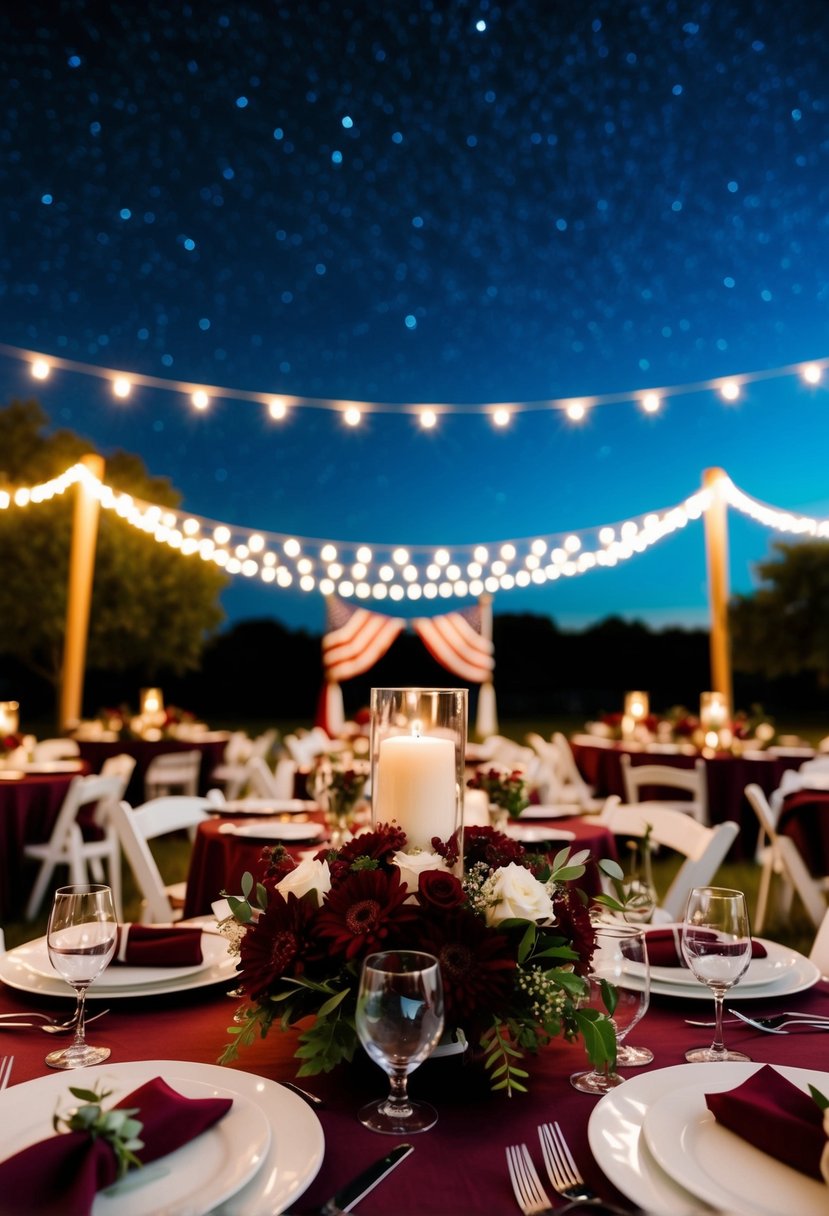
{"x": 824, "y": 1158}
{"x": 309, "y": 875}
{"x": 519, "y": 893}
{"x": 412, "y": 865}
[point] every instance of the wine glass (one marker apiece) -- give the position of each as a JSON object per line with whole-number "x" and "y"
{"x": 81, "y": 938}
{"x": 399, "y": 1021}
{"x": 620, "y": 958}
{"x": 716, "y": 945}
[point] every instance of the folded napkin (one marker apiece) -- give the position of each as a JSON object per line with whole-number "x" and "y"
{"x": 60, "y": 1176}
{"x": 158, "y": 946}
{"x": 775, "y": 1116}
{"x": 664, "y": 949}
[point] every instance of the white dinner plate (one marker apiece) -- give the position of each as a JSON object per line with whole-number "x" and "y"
{"x": 16, "y": 974}
{"x": 779, "y": 963}
{"x": 277, "y": 830}
{"x": 35, "y": 955}
{"x": 545, "y": 810}
{"x": 800, "y": 975}
{"x": 532, "y": 834}
{"x": 721, "y": 1167}
{"x": 195, "y": 1178}
{"x": 263, "y": 806}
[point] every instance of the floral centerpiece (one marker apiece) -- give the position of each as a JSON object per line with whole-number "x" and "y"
{"x": 505, "y": 788}
{"x": 745, "y": 730}
{"x": 122, "y": 722}
{"x": 11, "y": 743}
{"x": 513, "y": 937}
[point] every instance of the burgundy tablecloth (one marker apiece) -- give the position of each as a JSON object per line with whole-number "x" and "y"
{"x": 96, "y": 751}
{"x": 28, "y": 808}
{"x": 805, "y": 817}
{"x": 727, "y": 778}
{"x": 458, "y": 1168}
{"x": 219, "y": 859}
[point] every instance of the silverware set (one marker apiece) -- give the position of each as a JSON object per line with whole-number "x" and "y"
{"x": 49, "y": 1025}
{"x": 565, "y": 1177}
{"x": 773, "y": 1024}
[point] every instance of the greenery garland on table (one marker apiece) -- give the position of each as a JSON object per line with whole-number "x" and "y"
{"x": 513, "y": 937}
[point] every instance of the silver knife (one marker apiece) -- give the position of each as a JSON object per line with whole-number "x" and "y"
{"x": 351, "y": 1194}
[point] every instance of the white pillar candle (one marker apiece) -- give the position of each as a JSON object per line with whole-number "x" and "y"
{"x": 475, "y": 809}
{"x": 416, "y": 787}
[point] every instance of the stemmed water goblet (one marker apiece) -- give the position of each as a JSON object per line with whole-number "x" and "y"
{"x": 716, "y": 945}
{"x": 620, "y": 958}
{"x": 399, "y": 1022}
{"x": 81, "y": 937}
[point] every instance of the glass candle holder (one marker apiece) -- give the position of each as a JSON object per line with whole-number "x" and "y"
{"x": 418, "y": 744}
{"x": 637, "y": 708}
{"x": 714, "y": 718}
{"x": 9, "y": 717}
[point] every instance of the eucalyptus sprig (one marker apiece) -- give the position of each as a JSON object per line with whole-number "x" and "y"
{"x": 118, "y": 1127}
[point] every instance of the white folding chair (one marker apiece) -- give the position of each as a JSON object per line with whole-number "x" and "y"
{"x": 134, "y": 827}
{"x": 703, "y": 848}
{"x": 173, "y": 773}
{"x": 782, "y": 857}
{"x": 637, "y": 777}
{"x": 819, "y": 953}
{"x": 55, "y": 749}
{"x": 67, "y": 847}
{"x": 121, "y": 765}
{"x": 573, "y": 785}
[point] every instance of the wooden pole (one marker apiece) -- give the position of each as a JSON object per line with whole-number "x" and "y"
{"x": 79, "y": 594}
{"x": 716, "y": 550}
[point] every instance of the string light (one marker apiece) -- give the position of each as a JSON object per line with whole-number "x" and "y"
{"x": 121, "y": 387}
{"x": 649, "y": 400}
{"x": 408, "y": 572}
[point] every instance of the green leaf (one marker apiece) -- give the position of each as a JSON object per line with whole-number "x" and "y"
{"x": 822, "y": 1101}
{"x": 247, "y": 884}
{"x": 332, "y": 1003}
{"x": 611, "y": 868}
{"x": 261, "y": 895}
{"x": 527, "y": 943}
{"x": 610, "y": 995}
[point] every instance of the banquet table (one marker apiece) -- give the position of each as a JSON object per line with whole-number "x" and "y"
{"x": 96, "y": 751}
{"x": 29, "y": 804}
{"x": 219, "y": 858}
{"x": 601, "y": 766}
{"x": 458, "y": 1168}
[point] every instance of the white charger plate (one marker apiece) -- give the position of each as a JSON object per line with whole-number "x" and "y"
{"x": 54, "y": 766}
{"x": 532, "y": 834}
{"x": 15, "y": 973}
{"x": 35, "y": 955}
{"x": 779, "y": 963}
{"x": 716, "y": 1164}
{"x": 263, "y": 806}
{"x": 278, "y": 830}
{"x": 195, "y": 1178}
{"x": 799, "y": 976}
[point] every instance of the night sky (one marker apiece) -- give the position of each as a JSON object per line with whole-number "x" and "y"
{"x": 430, "y": 202}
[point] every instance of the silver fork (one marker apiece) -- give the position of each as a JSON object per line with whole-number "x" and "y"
{"x": 778, "y": 1029}
{"x": 563, "y": 1171}
{"x": 530, "y": 1194}
{"x": 771, "y": 1023}
{"x": 5, "y": 1070}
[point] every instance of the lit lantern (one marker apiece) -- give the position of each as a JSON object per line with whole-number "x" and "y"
{"x": 715, "y": 719}
{"x": 637, "y": 708}
{"x": 9, "y": 717}
{"x": 152, "y": 706}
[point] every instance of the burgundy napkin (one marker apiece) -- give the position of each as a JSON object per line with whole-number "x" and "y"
{"x": 60, "y": 1176}
{"x": 776, "y": 1117}
{"x": 663, "y": 948}
{"x": 157, "y": 946}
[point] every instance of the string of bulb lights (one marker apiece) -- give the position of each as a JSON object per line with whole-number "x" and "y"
{"x": 123, "y": 384}
{"x": 408, "y": 572}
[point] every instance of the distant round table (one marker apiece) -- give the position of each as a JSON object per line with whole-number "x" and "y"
{"x": 601, "y": 766}
{"x": 29, "y": 805}
{"x": 220, "y": 858}
{"x": 96, "y": 751}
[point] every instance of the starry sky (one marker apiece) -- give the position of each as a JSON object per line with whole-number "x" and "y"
{"x": 408, "y": 201}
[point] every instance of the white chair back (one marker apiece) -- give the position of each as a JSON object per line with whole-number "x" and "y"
{"x": 704, "y": 848}
{"x": 66, "y": 845}
{"x": 173, "y": 773}
{"x": 665, "y": 776}
{"x": 819, "y": 954}
{"x": 121, "y": 766}
{"x": 783, "y": 857}
{"x": 135, "y": 827}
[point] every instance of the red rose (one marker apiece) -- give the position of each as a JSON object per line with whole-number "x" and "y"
{"x": 440, "y": 890}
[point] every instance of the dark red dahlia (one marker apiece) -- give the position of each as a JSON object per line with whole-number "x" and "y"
{"x": 476, "y": 964}
{"x": 437, "y": 889}
{"x": 279, "y": 862}
{"x": 280, "y": 943}
{"x": 379, "y": 845}
{"x": 572, "y": 916}
{"x": 365, "y": 912}
{"x": 491, "y": 847}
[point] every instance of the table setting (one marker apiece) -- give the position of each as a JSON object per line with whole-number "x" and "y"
{"x": 388, "y": 978}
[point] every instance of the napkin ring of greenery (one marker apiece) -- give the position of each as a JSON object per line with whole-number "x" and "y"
{"x": 118, "y": 1127}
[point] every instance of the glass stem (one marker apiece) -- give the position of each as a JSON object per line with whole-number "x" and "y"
{"x": 80, "y": 1029}
{"x": 718, "y": 1044}
{"x": 398, "y": 1098}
